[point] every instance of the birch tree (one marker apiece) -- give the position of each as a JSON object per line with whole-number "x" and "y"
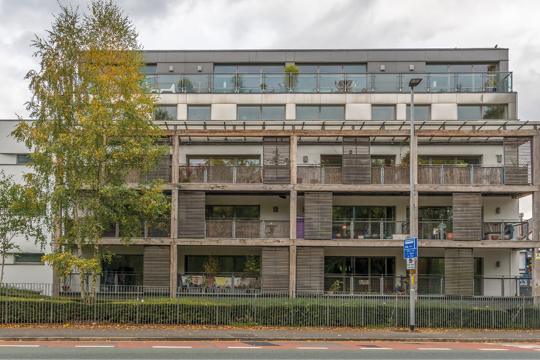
{"x": 21, "y": 214}
{"x": 93, "y": 127}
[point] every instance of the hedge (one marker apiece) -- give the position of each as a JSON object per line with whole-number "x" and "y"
{"x": 268, "y": 311}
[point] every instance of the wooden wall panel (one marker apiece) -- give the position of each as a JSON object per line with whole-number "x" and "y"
{"x": 517, "y": 161}
{"x": 318, "y": 215}
{"x": 276, "y": 160}
{"x": 467, "y": 209}
{"x": 310, "y": 269}
{"x": 356, "y": 160}
{"x": 191, "y": 206}
{"x": 459, "y": 272}
{"x": 275, "y": 268}
{"x": 156, "y": 265}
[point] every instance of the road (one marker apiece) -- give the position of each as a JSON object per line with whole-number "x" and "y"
{"x": 266, "y": 350}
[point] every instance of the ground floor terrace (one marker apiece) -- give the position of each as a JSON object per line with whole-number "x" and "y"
{"x": 329, "y": 269}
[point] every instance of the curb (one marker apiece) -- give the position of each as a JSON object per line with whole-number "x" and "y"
{"x": 236, "y": 338}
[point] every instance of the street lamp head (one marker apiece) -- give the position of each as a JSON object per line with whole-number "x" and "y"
{"x": 414, "y": 82}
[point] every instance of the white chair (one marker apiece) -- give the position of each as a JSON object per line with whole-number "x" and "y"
{"x": 168, "y": 90}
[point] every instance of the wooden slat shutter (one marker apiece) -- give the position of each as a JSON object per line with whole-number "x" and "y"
{"x": 191, "y": 205}
{"x": 275, "y": 268}
{"x": 276, "y": 160}
{"x": 164, "y": 168}
{"x": 459, "y": 271}
{"x": 517, "y": 161}
{"x": 318, "y": 215}
{"x": 310, "y": 269}
{"x": 467, "y": 210}
{"x": 356, "y": 160}
{"x": 162, "y": 171}
{"x": 156, "y": 267}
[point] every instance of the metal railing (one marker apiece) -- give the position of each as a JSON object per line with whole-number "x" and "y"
{"x": 246, "y": 229}
{"x": 203, "y": 174}
{"x": 329, "y": 83}
{"x": 435, "y": 229}
{"x": 47, "y": 304}
{"x": 468, "y": 174}
{"x": 230, "y": 282}
{"x": 505, "y": 229}
{"x": 157, "y": 229}
{"x": 317, "y": 174}
{"x": 369, "y": 229}
{"x": 379, "y": 284}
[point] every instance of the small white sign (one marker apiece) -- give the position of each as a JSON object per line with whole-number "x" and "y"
{"x": 537, "y": 256}
{"x": 411, "y": 264}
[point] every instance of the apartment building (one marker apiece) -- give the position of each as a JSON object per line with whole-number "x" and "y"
{"x": 308, "y": 172}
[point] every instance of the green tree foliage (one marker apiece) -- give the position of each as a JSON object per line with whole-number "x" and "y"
{"x": 92, "y": 127}
{"x": 21, "y": 213}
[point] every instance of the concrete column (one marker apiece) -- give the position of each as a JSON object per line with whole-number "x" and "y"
{"x": 174, "y": 213}
{"x": 175, "y": 159}
{"x": 174, "y": 270}
{"x": 415, "y": 232}
{"x": 294, "y": 158}
{"x": 292, "y": 271}
{"x": 292, "y": 214}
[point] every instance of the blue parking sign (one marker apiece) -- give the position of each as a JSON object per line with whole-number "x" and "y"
{"x": 410, "y": 248}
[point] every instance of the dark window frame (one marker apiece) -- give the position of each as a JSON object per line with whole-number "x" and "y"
{"x": 18, "y": 255}
{"x": 199, "y": 106}
{"x": 319, "y": 111}
{"x": 260, "y": 111}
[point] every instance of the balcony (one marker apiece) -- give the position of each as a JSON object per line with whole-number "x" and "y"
{"x": 395, "y": 229}
{"x": 202, "y": 174}
{"x": 158, "y": 229}
{"x": 271, "y": 83}
{"x": 246, "y": 229}
{"x": 316, "y": 174}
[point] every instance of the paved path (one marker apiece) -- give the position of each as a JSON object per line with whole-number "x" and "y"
{"x": 266, "y": 350}
{"x": 242, "y": 334}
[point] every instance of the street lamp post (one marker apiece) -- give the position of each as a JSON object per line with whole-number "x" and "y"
{"x": 412, "y": 219}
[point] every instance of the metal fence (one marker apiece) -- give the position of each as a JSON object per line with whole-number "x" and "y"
{"x": 246, "y": 229}
{"x": 45, "y": 303}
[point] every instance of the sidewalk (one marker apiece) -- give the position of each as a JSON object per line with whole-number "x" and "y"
{"x": 245, "y": 334}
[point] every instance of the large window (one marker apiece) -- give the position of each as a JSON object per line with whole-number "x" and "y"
{"x": 249, "y": 78}
{"x": 320, "y": 112}
{"x": 421, "y": 112}
{"x": 165, "y": 113}
{"x": 332, "y": 69}
{"x": 451, "y": 160}
{"x": 453, "y": 68}
{"x": 250, "y": 69}
{"x": 366, "y": 273}
{"x": 28, "y": 258}
{"x": 24, "y": 159}
{"x": 431, "y": 273}
{"x": 244, "y": 212}
{"x": 199, "y": 112}
{"x": 261, "y": 112}
{"x": 228, "y": 263}
{"x": 383, "y": 113}
{"x": 363, "y": 222}
{"x": 476, "y": 112}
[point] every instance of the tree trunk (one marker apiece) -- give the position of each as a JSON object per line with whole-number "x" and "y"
{"x": 82, "y": 275}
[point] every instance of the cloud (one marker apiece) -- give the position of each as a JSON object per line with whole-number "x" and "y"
{"x": 272, "y": 24}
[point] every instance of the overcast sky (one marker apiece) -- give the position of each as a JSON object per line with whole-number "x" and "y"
{"x": 278, "y": 24}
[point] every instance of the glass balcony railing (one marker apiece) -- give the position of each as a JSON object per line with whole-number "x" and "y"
{"x": 370, "y": 229}
{"x": 249, "y": 83}
{"x": 203, "y": 174}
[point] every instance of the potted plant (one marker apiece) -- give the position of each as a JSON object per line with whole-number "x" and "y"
{"x": 336, "y": 286}
{"x": 211, "y": 266}
{"x": 364, "y": 90}
{"x": 291, "y": 77}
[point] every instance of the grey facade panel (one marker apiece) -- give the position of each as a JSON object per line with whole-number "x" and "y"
{"x": 312, "y": 56}
{"x": 375, "y": 67}
{"x": 403, "y": 66}
{"x": 176, "y": 56}
{"x": 411, "y": 55}
{"x": 267, "y": 56}
{"x": 357, "y": 56}
{"x": 162, "y": 57}
{"x": 151, "y": 57}
{"x": 191, "y": 68}
{"x": 163, "y": 68}
{"x": 196, "y": 56}
{"x": 382, "y": 55}
{"x": 339, "y": 56}
{"x": 231, "y": 57}
{"x": 485, "y": 55}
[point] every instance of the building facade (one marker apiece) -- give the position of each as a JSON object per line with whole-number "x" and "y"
{"x": 307, "y": 174}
